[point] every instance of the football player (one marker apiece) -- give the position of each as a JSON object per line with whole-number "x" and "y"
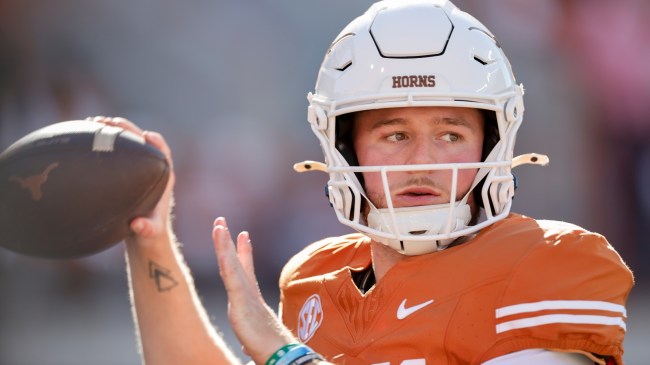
{"x": 416, "y": 109}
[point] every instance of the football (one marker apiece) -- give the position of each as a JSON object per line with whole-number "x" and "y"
{"x": 70, "y": 189}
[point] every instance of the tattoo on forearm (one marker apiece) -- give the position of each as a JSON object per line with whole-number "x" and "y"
{"x": 161, "y": 276}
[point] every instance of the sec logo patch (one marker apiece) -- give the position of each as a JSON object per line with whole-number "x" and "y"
{"x": 310, "y": 318}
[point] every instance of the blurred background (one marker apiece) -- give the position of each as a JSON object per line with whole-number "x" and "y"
{"x": 226, "y": 81}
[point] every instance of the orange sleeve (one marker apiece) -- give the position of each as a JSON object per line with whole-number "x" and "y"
{"x": 566, "y": 294}
{"x": 319, "y": 258}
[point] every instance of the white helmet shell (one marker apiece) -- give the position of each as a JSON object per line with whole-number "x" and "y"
{"x": 404, "y": 53}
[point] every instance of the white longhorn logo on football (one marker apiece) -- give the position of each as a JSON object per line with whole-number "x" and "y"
{"x": 310, "y": 318}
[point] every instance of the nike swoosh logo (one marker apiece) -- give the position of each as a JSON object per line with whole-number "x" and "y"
{"x": 403, "y": 312}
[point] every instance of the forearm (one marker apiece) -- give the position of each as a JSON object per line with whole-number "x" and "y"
{"x": 173, "y": 327}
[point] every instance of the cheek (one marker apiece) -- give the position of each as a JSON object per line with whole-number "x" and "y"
{"x": 466, "y": 176}
{"x": 369, "y": 156}
{"x": 465, "y": 180}
{"x": 372, "y": 184}
{"x": 373, "y": 155}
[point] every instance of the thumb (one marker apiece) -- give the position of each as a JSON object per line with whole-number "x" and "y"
{"x": 141, "y": 227}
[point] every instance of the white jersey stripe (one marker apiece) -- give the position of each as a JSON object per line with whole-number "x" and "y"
{"x": 560, "y": 305}
{"x": 560, "y": 318}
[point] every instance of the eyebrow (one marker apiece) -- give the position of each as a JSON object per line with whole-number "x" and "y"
{"x": 386, "y": 122}
{"x": 456, "y": 121}
{"x": 446, "y": 120}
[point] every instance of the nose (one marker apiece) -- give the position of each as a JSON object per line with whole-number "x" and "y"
{"x": 423, "y": 151}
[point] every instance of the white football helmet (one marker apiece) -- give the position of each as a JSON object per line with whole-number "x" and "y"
{"x": 416, "y": 53}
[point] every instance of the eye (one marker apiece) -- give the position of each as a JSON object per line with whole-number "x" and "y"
{"x": 450, "y": 137}
{"x": 396, "y": 137}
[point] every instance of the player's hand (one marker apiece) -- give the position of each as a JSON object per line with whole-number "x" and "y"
{"x": 146, "y": 229}
{"x": 256, "y": 326}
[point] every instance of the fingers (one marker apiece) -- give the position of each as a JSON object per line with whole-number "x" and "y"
{"x": 235, "y": 263}
{"x": 118, "y": 122}
{"x": 254, "y": 323}
{"x": 156, "y": 223}
{"x": 153, "y": 138}
{"x": 142, "y": 227}
{"x": 223, "y": 245}
{"x": 157, "y": 140}
{"x": 245, "y": 256}
{"x": 232, "y": 273}
{"x": 138, "y": 225}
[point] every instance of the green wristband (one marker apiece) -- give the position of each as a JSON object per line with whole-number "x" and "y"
{"x": 281, "y": 352}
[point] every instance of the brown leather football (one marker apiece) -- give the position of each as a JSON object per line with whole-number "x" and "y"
{"x": 70, "y": 189}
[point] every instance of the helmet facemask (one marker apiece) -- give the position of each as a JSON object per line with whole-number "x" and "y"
{"x": 433, "y": 225}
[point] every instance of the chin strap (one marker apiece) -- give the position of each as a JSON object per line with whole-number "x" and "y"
{"x": 420, "y": 220}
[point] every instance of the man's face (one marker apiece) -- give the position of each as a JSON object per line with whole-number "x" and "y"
{"x": 418, "y": 135}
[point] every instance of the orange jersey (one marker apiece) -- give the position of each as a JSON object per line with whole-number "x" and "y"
{"x": 519, "y": 284}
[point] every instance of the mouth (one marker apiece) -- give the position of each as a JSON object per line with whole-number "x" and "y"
{"x": 414, "y": 196}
